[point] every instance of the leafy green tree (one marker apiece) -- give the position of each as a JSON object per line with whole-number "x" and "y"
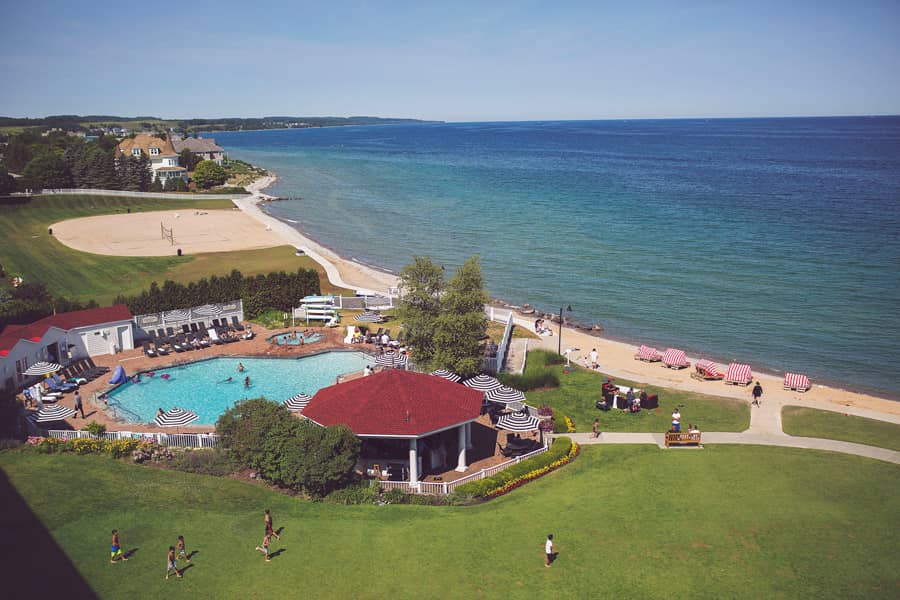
{"x": 17, "y": 154}
{"x": 243, "y": 428}
{"x": 178, "y": 185}
{"x": 461, "y": 326}
{"x": 7, "y": 183}
{"x": 156, "y": 186}
{"x": 422, "y": 283}
{"x": 188, "y": 159}
{"x": 208, "y": 174}
{"x": 47, "y": 171}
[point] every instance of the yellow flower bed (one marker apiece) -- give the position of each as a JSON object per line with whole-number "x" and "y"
{"x": 511, "y": 485}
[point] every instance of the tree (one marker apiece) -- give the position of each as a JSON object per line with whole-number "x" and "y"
{"x": 188, "y": 159}
{"x": 420, "y": 306}
{"x": 208, "y": 174}
{"x": 7, "y": 183}
{"x": 47, "y": 171}
{"x": 461, "y": 327}
{"x": 17, "y": 154}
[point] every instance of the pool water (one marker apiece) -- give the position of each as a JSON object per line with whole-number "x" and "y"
{"x": 287, "y": 339}
{"x": 203, "y": 387}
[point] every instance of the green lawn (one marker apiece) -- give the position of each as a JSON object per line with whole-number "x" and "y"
{"x": 580, "y": 390}
{"x": 28, "y": 251}
{"x": 809, "y": 422}
{"x": 746, "y": 522}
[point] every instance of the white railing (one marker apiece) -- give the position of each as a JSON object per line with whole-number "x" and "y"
{"x": 174, "y": 440}
{"x": 445, "y": 487}
{"x": 125, "y": 193}
{"x": 494, "y": 364}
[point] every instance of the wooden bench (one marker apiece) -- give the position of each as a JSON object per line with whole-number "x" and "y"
{"x": 683, "y": 439}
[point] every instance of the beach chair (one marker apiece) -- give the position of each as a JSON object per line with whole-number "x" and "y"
{"x": 194, "y": 328}
{"x": 64, "y": 385}
{"x": 674, "y": 358}
{"x": 161, "y": 334}
{"x": 738, "y": 374}
{"x": 236, "y": 323}
{"x": 85, "y": 371}
{"x": 214, "y": 337}
{"x": 797, "y": 382}
{"x": 647, "y": 354}
{"x": 185, "y": 329}
{"x": 170, "y": 332}
{"x": 72, "y": 377}
{"x": 148, "y": 351}
{"x": 706, "y": 370}
{"x": 94, "y": 367}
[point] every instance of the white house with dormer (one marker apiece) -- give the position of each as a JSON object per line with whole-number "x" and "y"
{"x": 160, "y": 151}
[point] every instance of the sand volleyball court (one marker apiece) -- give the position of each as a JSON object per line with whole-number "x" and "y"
{"x": 140, "y": 234}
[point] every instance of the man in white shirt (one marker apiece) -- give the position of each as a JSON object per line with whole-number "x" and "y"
{"x": 594, "y": 356}
{"x": 676, "y": 420}
{"x": 548, "y": 550}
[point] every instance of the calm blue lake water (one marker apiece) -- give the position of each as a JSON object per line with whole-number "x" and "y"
{"x": 769, "y": 241}
{"x": 203, "y": 387}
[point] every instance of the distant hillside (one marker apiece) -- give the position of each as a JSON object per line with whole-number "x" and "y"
{"x": 86, "y": 122}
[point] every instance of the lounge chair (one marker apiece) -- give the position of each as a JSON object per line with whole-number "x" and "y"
{"x": 674, "y": 358}
{"x": 53, "y": 387}
{"x": 85, "y": 371}
{"x": 648, "y": 354}
{"x": 706, "y": 370}
{"x": 148, "y": 351}
{"x": 71, "y": 377}
{"x": 194, "y": 328}
{"x": 66, "y": 386}
{"x": 202, "y": 325}
{"x": 185, "y": 329}
{"x": 796, "y": 381}
{"x": 738, "y": 374}
{"x": 100, "y": 370}
{"x": 161, "y": 334}
{"x": 214, "y": 337}
{"x": 170, "y": 332}
{"x": 236, "y": 323}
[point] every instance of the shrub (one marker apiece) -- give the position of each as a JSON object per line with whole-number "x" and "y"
{"x": 561, "y": 452}
{"x": 205, "y": 462}
{"x": 530, "y": 380}
{"x": 95, "y": 428}
{"x": 545, "y": 358}
{"x": 363, "y": 492}
{"x": 245, "y": 429}
{"x": 151, "y": 451}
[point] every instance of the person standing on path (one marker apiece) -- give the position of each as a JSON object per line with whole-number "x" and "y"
{"x": 676, "y": 420}
{"x": 269, "y": 529}
{"x": 115, "y": 550}
{"x": 757, "y": 394}
{"x": 78, "y": 405}
{"x": 594, "y": 356}
{"x": 596, "y": 428}
{"x": 548, "y": 551}
{"x": 170, "y": 563}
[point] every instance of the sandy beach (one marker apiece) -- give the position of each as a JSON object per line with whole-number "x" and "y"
{"x": 216, "y": 231}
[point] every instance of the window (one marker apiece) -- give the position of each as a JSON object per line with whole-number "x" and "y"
{"x": 135, "y": 151}
{"x": 154, "y": 151}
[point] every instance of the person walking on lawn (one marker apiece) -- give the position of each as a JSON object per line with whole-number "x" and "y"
{"x": 264, "y": 548}
{"x": 115, "y": 550}
{"x": 757, "y": 394}
{"x": 182, "y": 550}
{"x": 78, "y": 405}
{"x": 170, "y": 563}
{"x": 548, "y": 551}
{"x": 269, "y": 529}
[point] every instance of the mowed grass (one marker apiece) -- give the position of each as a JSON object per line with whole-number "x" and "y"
{"x": 580, "y": 390}
{"x": 809, "y": 422}
{"x": 746, "y": 522}
{"x": 28, "y": 251}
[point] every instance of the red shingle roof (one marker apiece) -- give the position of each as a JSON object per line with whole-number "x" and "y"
{"x": 69, "y": 320}
{"x": 395, "y": 402}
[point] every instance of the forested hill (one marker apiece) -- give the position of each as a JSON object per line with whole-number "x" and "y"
{"x": 86, "y": 122}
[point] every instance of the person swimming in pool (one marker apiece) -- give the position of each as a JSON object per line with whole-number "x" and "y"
{"x": 247, "y": 381}
{"x": 240, "y": 367}
{"x": 226, "y": 380}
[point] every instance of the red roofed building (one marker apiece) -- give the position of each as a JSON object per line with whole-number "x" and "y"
{"x": 63, "y": 336}
{"x": 394, "y": 408}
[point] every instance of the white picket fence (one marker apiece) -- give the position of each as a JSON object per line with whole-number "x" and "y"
{"x": 445, "y": 487}
{"x": 174, "y": 440}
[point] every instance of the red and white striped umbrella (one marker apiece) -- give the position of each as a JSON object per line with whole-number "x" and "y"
{"x": 739, "y": 374}
{"x": 796, "y": 381}
{"x": 675, "y": 358}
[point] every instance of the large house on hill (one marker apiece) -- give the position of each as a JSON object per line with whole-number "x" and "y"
{"x": 205, "y": 148}
{"x": 160, "y": 151}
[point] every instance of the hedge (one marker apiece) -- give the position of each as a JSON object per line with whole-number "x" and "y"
{"x": 561, "y": 452}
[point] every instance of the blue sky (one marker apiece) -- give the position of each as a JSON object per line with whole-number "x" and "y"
{"x": 455, "y": 61}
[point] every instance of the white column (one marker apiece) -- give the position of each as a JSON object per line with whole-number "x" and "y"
{"x": 461, "y": 461}
{"x": 468, "y": 435}
{"x": 413, "y": 463}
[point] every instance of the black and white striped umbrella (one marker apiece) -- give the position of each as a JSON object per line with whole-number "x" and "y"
{"x": 505, "y": 395}
{"x": 56, "y": 412}
{"x": 518, "y": 421}
{"x": 177, "y": 417}
{"x": 448, "y": 375}
{"x": 42, "y": 368}
{"x": 369, "y": 317}
{"x": 298, "y": 402}
{"x": 482, "y": 383}
{"x": 388, "y": 359}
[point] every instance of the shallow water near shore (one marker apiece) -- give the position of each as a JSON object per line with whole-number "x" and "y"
{"x": 768, "y": 241}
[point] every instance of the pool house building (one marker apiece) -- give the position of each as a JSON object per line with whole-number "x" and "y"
{"x": 409, "y": 423}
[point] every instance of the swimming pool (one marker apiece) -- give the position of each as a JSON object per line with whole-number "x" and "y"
{"x": 203, "y": 386}
{"x": 287, "y": 338}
